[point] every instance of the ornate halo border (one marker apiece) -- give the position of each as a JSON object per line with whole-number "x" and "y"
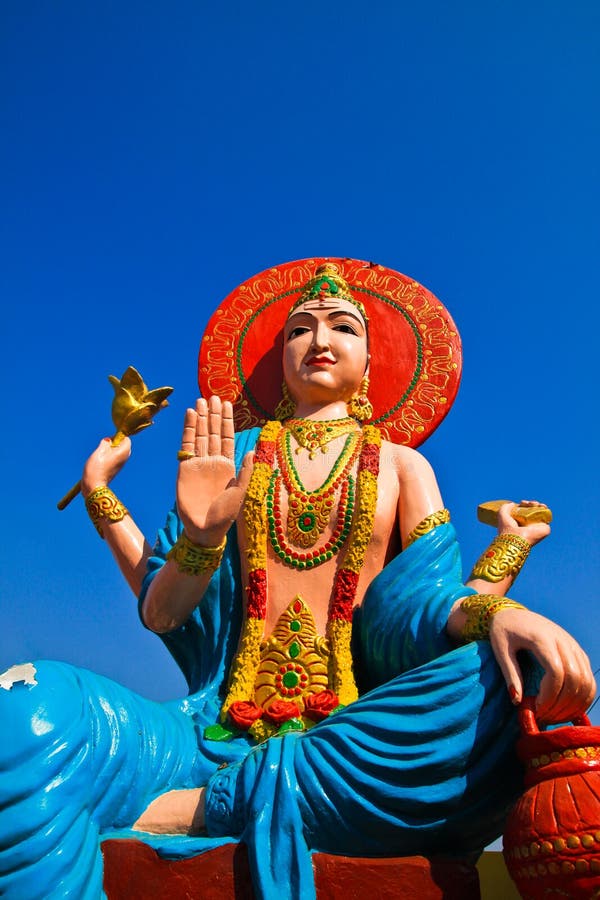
{"x": 416, "y": 352}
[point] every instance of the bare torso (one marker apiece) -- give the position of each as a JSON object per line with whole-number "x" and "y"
{"x": 315, "y": 585}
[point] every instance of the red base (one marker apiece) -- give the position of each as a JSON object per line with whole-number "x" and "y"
{"x": 133, "y": 871}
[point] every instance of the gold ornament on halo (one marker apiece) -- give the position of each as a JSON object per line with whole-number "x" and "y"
{"x": 133, "y": 409}
{"x": 359, "y": 405}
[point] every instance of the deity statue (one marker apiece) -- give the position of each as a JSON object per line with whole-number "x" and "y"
{"x": 349, "y": 692}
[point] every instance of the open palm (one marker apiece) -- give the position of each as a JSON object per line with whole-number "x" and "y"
{"x": 209, "y": 496}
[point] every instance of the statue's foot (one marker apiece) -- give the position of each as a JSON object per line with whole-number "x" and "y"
{"x": 176, "y": 812}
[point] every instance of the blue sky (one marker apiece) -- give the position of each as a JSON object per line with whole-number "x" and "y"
{"x": 155, "y": 155}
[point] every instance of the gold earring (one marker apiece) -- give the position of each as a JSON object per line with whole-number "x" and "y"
{"x": 359, "y": 405}
{"x": 286, "y": 406}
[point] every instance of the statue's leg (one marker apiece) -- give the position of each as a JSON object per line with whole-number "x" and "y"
{"x": 79, "y": 755}
{"x": 423, "y": 764}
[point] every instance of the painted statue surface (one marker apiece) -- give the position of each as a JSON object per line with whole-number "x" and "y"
{"x": 349, "y": 691}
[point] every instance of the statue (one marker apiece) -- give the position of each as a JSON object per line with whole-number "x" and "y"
{"x": 348, "y": 691}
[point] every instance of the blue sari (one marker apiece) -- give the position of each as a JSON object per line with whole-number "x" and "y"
{"x": 422, "y": 763}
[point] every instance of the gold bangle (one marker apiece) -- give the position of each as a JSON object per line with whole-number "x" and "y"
{"x": 479, "y": 609}
{"x": 103, "y": 504}
{"x": 441, "y": 517}
{"x": 504, "y": 557}
{"x": 192, "y": 559}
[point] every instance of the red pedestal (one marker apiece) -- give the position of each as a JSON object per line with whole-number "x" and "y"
{"x": 133, "y": 871}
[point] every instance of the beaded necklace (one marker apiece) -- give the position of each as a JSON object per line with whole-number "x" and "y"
{"x": 311, "y": 558}
{"x": 309, "y": 511}
{"x": 243, "y": 672}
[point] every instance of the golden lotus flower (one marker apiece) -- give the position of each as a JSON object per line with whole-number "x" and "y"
{"x": 134, "y": 406}
{"x": 133, "y": 409}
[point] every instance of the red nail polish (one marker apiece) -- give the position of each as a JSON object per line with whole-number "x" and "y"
{"x": 106, "y": 439}
{"x": 513, "y": 693}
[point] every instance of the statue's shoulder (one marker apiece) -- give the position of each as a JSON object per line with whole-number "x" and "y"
{"x": 406, "y": 461}
{"x": 401, "y": 452}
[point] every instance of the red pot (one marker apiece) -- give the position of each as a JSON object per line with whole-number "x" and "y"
{"x": 552, "y": 836}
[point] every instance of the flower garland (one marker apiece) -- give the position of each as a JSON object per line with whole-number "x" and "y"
{"x": 245, "y": 713}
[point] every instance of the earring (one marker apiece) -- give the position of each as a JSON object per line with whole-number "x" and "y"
{"x": 359, "y": 405}
{"x": 286, "y": 406}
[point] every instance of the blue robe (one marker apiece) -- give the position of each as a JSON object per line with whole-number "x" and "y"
{"x": 422, "y": 763}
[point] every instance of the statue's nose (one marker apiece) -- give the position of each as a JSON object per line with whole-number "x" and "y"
{"x": 320, "y": 339}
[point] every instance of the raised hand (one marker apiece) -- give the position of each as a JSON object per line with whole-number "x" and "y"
{"x": 209, "y": 496}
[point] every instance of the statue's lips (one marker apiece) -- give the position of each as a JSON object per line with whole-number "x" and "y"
{"x": 320, "y": 361}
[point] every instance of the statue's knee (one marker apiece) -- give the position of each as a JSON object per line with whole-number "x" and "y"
{"x": 38, "y": 702}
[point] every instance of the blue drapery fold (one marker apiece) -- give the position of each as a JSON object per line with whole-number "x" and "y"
{"x": 423, "y": 762}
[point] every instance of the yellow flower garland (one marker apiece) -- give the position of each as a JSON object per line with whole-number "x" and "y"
{"x": 244, "y": 668}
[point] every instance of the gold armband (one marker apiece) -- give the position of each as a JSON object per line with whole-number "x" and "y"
{"x": 192, "y": 559}
{"x": 504, "y": 557}
{"x": 479, "y": 609}
{"x": 103, "y": 504}
{"x": 441, "y": 517}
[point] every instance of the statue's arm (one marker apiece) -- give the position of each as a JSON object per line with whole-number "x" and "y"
{"x": 487, "y": 578}
{"x": 419, "y": 495}
{"x": 209, "y": 498}
{"x": 568, "y": 685}
{"x": 128, "y": 545}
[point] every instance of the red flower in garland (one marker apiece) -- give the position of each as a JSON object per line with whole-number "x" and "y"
{"x": 281, "y": 711}
{"x": 244, "y": 713}
{"x": 318, "y": 706}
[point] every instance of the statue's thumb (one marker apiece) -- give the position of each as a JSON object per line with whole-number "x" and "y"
{"x": 245, "y": 471}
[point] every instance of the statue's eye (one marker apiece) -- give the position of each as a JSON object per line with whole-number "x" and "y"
{"x": 345, "y": 328}
{"x": 297, "y": 331}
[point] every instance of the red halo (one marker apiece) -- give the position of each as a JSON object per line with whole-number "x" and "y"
{"x": 416, "y": 357}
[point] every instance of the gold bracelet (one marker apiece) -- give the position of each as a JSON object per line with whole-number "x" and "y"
{"x": 479, "y": 609}
{"x": 504, "y": 557}
{"x": 441, "y": 517}
{"x": 192, "y": 559}
{"x": 103, "y": 504}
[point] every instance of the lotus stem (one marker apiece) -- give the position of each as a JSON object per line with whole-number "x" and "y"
{"x": 70, "y": 495}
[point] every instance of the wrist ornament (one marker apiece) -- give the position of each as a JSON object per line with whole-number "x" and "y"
{"x": 193, "y": 559}
{"x": 441, "y": 517}
{"x": 504, "y": 558}
{"x": 479, "y": 609}
{"x": 101, "y": 505}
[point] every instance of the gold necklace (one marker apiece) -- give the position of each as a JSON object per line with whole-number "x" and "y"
{"x": 309, "y": 511}
{"x": 315, "y": 435}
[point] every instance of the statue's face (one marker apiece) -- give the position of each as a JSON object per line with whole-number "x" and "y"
{"x": 325, "y": 351}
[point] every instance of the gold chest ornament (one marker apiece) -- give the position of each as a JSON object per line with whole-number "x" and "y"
{"x": 293, "y": 661}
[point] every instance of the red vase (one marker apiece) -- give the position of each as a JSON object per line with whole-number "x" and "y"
{"x": 552, "y": 836}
